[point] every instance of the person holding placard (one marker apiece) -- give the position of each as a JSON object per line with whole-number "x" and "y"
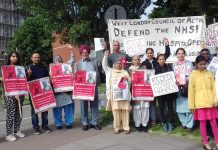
{"x": 117, "y": 82}
{"x": 63, "y": 101}
{"x": 202, "y": 99}
{"x": 140, "y": 108}
{"x": 13, "y": 114}
{"x": 36, "y": 71}
{"x": 182, "y": 69}
{"x": 166, "y": 113}
{"x": 88, "y": 65}
{"x": 151, "y": 63}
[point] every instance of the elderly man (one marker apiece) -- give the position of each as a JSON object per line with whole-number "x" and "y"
{"x": 88, "y": 65}
{"x": 118, "y": 54}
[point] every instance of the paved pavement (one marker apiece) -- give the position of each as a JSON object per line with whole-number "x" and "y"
{"x": 76, "y": 139}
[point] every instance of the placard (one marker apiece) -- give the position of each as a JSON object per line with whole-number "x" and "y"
{"x": 62, "y": 78}
{"x": 84, "y": 85}
{"x": 141, "y": 86}
{"x": 99, "y": 44}
{"x": 213, "y": 66}
{"x": 120, "y": 89}
{"x": 163, "y": 84}
{"x": 41, "y": 94}
{"x": 14, "y": 79}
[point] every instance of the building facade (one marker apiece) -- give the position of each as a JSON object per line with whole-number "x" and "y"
{"x": 11, "y": 17}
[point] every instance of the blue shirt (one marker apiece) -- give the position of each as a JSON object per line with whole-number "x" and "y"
{"x": 38, "y": 71}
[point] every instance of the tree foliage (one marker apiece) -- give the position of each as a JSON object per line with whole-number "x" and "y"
{"x": 178, "y": 8}
{"x": 78, "y": 21}
{"x": 33, "y": 35}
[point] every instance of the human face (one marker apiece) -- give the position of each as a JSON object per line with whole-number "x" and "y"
{"x": 116, "y": 46}
{"x": 136, "y": 61}
{"x": 13, "y": 59}
{"x": 58, "y": 60}
{"x": 149, "y": 54}
{"x": 161, "y": 61}
{"x": 118, "y": 65}
{"x": 36, "y": 58}
{"x": 85, "y": 54}
{"x": 206, "y": 55}
{"x": 180, "y": 55}
{"x": 201, "y": 65}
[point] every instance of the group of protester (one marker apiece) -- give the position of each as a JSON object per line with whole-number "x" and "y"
{"x": 199, "y": 103}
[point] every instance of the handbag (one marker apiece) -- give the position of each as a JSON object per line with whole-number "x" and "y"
{"x": 184, "y": 90}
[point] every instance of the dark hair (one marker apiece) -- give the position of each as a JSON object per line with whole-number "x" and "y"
{"x": 149, "y": 49}
{"x": 199, "y": 59}
{"x": 204, "y": 50}
{"x": 181, "y": 49}
{"x": 158, "y": 56}
{"x": 35, "y": 52}
{"x": 9, "y": 56}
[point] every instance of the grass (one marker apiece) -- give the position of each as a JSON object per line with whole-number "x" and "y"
{"x": 179, "y": 132}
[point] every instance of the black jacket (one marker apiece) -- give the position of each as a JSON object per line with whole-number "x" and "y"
{"x": 148, "y": 64}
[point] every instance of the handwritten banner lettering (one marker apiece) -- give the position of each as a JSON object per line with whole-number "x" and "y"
{"x": 163, "y": 84}
{"x": 183, "y": 32}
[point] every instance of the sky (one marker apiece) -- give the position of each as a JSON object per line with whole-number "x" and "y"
{"x": 148, "y": 10}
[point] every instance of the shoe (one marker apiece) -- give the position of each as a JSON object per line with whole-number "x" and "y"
{"x": 46, "y": 129}
{"x": 204, "y": 147}
{"x": 139, "y": 129}
{"x": 20, "y": 134}
{"x": 59, "y": 127}
{"x": 85, "y": 127}
{"x": 69, "y": 126}
{"x": 97, "y": 127}
{"x": 183, "y": 127}
{"x": 10, "y": 138}
{"x": 170, "y": 127}
{"x": 36, "y": 131}
{"x": 144, "y": 129}
{"x": 116, "y": 131}
{"x": 165, "y": 128}
{"x": 190, "y": 129}
{"x": 126, "y": 131}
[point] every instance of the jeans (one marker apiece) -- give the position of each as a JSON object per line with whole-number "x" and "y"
{"x": 94, "y": 110}
{"x": 35, "y": 118}
{"x": 68, "y": 115}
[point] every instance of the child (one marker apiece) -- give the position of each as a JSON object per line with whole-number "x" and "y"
{"x": 120, "y": 108}
{"x": 64, "y": 101}
{"x": 165, "y": 99}
{"x": 13, "y": 118}
{"x": 202, "y": 99}
{"x": 140, "y": 108}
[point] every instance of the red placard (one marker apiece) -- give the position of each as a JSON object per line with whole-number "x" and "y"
{"x": 14, "y": 79}
{"x": 62, "y": 79}
{"x": 84, "y": 85}
{"x": 41, "y": 94}
{"x": 141, "y": 87}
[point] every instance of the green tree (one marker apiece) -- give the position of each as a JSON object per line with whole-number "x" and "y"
{"x": 79, "y": 21}
{"x": 178, "y": 8}
{"x": 33, "y": 35}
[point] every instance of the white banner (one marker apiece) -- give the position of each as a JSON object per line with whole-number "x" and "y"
{"x": 183, "y": 32}
{"x": 163, "y": 84}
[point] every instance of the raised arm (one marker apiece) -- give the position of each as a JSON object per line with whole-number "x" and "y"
{"x": 167, "y": 47}
{"x": 105, "y": 63}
